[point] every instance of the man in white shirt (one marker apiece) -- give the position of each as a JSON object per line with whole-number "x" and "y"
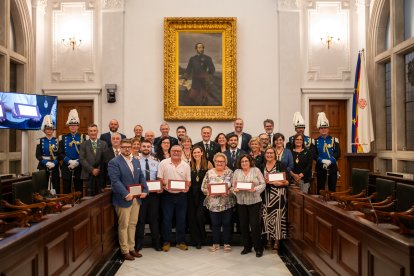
{"x": 174, "y": 168}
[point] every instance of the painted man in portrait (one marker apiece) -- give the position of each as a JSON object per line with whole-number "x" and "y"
{"x": 200, "y": 69}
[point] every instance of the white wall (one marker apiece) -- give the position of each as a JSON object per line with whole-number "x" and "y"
{"x": 257, "y": 62}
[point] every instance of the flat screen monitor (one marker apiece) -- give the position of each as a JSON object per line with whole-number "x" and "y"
{"x": 26, "y": 111}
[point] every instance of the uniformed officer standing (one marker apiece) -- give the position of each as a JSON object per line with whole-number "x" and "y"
{"x": 299, "y": 124}
{"x": 47, "y": 154}
{"x": 69, "y": 145}
{"x": 327, "y": 152}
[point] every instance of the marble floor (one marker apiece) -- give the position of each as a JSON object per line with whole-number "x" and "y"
{"x": 202, "y": 262}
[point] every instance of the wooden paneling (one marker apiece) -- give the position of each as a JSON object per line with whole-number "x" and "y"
{"x": 81, "y": 238}
{"x": 349, "y": 252}
{"x": 57, "y": 255}
{"x": 344, "y": 242}
{"x": 308, "y": 225}
{"x": 380, "y": 265}
{"x": 27, "y": 267}
{"x": 62, "y": 244}
{"x": 324, "y": 235}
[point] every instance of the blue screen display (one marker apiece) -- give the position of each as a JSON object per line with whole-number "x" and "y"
{"x": 26, "y": 111}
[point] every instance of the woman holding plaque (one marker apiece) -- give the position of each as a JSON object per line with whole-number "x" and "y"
{"x": 283, "y": 155}
{"x": 163, "y": 149}
{"x": 255, "y": 146}
{"x": 302, "y": 163}
{"x": 221, "y": 139}
{"x": 219, "y": 205}
{"x": 186, "y": 144}
{"x": 274, "y": 215}
{"x": 248, "y": 184}
{"x": 195, "y": 198}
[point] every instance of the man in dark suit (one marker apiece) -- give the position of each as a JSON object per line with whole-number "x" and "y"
{"x": 111, "y": 153}
{"x": 210, "y": 147}
{"x": 113, "y": 128}
{"x": 165, "y": 132}
{"x": 269, "y": 127}
{"x": 91, "y": 158}
{"x": 233, "y": 153}
{"x": 124, "y": 170}
{"x": 244, "y": 138}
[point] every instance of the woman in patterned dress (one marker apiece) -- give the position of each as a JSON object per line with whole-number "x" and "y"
{"x": 220, "y": 207}
{"x": 274, "y": 211}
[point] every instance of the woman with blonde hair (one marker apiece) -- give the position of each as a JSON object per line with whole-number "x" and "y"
{"x": 220, "y": 206}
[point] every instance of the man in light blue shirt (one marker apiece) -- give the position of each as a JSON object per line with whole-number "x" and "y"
{"x": 150, "y": 205}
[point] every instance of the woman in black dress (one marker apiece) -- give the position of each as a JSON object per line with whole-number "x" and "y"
{"x": 195, "y": 197}
{"x": 274, "y": 211}
{"x": 302, "y": 163}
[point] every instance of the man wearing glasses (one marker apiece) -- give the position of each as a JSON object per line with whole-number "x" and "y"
{"x": 125, "y": 170}
{"x": 169, "y": 169}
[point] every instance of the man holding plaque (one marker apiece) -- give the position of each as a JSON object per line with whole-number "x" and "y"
{"x": 128, "y": 187}
{"x": 149, "y": 210}
{"x": 175, "y": 176}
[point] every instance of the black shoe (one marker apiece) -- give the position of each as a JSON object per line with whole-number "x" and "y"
{"x": 158, "y": 248}
{"x": 245, "y": 251}
{"x": 198, "y": 246}
{"x": 259, "y": 253}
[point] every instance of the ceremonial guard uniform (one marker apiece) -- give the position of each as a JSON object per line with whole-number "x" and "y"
{"x": 69, "y": 146}
{"x": 299, "y": 124}
{"x": 47, "y": 154}
{"x": 327, "y": 152}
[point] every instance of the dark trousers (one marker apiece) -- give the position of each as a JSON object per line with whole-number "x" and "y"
{"x": 321, "y": 178}
{"x": 67, "y": 184}
{"x": 171, "y": 203}
{"x": 93, "y": 185}
{"x": 196, "y": 219}
{"x": 54, "y": 177}
{"x": 148, "y": 212}
{"x": 218, "y": 220}
{"x": 249, "y": 216}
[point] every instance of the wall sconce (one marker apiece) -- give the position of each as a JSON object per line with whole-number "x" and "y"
{"x": 329, "y": 41}
{"x": 72, "y": 42}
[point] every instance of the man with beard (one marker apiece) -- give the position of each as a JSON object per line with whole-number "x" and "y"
{"x": 201, "y": 70}
{"x": 150, "y": 205}
{"x": 244, "y": 138}
{"x": 113, "y": 128}
{"x": 233, "y": 153}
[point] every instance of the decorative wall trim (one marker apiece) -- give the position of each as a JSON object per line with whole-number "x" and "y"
{"x": 328, "y": 18}
{"x": 289, "y": 5}
{"x": 73, "y": 19}
{"x": 113, "y": 5}
{"x": 40, "y": 5}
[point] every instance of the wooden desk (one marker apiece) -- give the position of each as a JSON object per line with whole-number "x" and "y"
{"x": 335, "y": 241}
{"x": 77, "y": 241}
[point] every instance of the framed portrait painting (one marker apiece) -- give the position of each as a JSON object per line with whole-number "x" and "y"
{"x": 200, "y": 68}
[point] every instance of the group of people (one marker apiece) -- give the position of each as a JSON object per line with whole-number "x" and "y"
{"x": 235, "y": 159}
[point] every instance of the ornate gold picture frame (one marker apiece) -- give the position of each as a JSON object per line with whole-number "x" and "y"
{"x": 200, "y": 73}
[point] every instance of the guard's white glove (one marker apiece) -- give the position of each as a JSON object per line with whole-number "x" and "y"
{"x": 50, "y": 165}
{"x": 326, "y": 163}
{"x": 76, "y": 163}
{"x": 71, "y": 162}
